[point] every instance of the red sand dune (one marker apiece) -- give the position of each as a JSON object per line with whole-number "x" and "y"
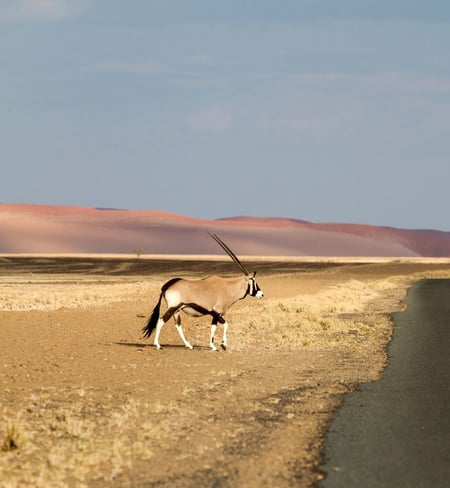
{"x": 57, "y": 229}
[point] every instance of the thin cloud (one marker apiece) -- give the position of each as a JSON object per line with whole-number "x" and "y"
{"x": 18, "y": 10}
{"x": 211, "y": 119}
{"x": 325, "y": 103}
{"x": 180, "y": 74}
{"x": 384, "y": 83}
{"x": 408, "y": 84}
{"x": 147, "y": 68}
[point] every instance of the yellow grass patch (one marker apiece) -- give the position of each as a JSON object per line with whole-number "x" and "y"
{"x": 334, "y": 316}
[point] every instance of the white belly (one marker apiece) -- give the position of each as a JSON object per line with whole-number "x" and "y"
{"x": 192, "y": 312}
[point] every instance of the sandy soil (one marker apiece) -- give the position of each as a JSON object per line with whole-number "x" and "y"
{"x": 85, "y": 401}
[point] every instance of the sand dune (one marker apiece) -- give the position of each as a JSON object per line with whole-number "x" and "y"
{"x": 58, "y": 229}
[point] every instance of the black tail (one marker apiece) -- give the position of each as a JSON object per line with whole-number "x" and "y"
{"x": 153, "y": 320}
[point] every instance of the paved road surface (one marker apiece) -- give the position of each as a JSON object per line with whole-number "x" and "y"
{"x": 396, "y": 432}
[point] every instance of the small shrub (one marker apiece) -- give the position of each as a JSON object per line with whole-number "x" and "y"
{"x": 13, "y": 438}
{"x": 283, "y": 307}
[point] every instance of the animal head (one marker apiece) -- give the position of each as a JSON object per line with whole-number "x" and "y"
{"x": 253, "y": 289}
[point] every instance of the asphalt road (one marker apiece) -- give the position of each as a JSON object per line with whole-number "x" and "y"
{"x": 396, "y": 432}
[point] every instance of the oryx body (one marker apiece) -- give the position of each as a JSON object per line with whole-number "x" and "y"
{"x": 212, "y": 295}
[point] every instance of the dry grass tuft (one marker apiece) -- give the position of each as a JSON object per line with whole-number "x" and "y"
{"x": 13, "y": 436}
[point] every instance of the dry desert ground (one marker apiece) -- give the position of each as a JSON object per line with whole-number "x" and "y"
{"x": 86, "y": 402}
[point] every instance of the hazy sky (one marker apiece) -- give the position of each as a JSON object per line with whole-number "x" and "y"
{"x": 323, "y": 110}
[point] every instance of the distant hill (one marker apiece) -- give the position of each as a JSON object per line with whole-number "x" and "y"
{"x": 59, "y": 229}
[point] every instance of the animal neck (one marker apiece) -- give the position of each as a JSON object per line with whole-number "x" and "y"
{"x": 240, "y": 285}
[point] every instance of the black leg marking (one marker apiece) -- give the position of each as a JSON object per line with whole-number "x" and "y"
{"x": 169, "y": 313}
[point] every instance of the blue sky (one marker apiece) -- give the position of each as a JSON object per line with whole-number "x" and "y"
{"x": 312, "y": 109}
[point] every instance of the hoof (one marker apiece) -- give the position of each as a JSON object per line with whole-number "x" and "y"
{"x": 224, "y": 346}
{"x": 158, "y": 347}
{"x": 188, "y": 346}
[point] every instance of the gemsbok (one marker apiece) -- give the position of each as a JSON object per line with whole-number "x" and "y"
{"x": 212, "y": 295}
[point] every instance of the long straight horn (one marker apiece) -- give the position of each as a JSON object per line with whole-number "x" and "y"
{"x": 229, "y": 252}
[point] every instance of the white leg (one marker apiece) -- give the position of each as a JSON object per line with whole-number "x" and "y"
{"x": 181, "y": 333}
{"x": 159, "y": 326}
{"x": 224, "y": 340}
{"x": 211, "y": 337}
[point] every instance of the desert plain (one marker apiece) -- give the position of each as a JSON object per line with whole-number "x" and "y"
{"x": 86, "y": 402}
